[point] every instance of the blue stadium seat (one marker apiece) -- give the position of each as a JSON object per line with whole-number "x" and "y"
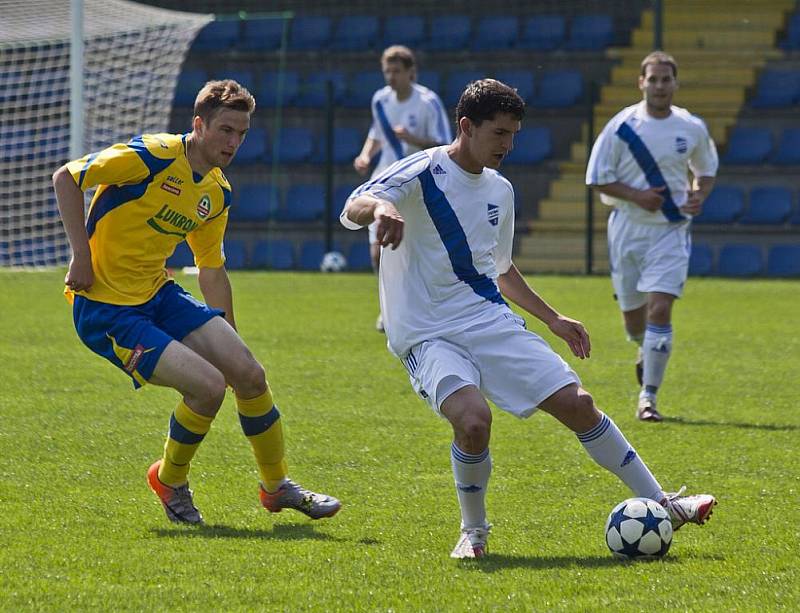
{"x": 311, "y": 253}
{"x": 558, "y": 89}
{"x": 264, "y": 34}
{"x": 449, "y": 33}
{"x": 310, "y": 33}
{"x": 748, "y": 146}
{"x": 724, "y": 205}
{"x": 257, "y": 202}
{"x": 542, "y": 33}
{"x": 347, "y": 143}
{"x": 784, "y": 261}
{"x": 340, "y": 196}
{"x": 274, "y": 254}
{"x": 305, "y": 202}
{"x": 190, "y": 81}
{"x": 358, "y": 257}
{"x": 531, "y": 145}
{"x": 777, "y": 89}
{"x": 245, "y": 78}
{"x": 254, "y": 147}
{"x": 701, "y": 260}
{"x": 408, "y": 30}
{"x": 495, "y": 33}
{"x": 29, "y": 252}
{"x": 590, "y": 33}
{"x": 456, "y": 82}
{"x": 295, "y": 145}
{"x": 430, "y": 79}
{"x": 792, "y": 40}
{"x": 235, "y": 254}
{"x": 768, "y": 205}
{"x": 356, "y": 33}
{"x": 217, "y": 36}
{"x": 361, "y": 88}
{"x": 182, "y": 256}
{"x": 740, "y": 261}
{"x": 278, "y": 89}
{"x": 788, "y": 150}
{"x": 521, "y": 80}
{"x": 314, "y": 89}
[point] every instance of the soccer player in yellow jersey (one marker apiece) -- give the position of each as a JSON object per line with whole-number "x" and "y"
{"x": 152, "y": 193}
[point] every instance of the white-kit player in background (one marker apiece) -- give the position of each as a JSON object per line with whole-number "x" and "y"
{"x": 445, "y": 218}
{"x": 640, "y": 164}
{"x": 406, "y": 118}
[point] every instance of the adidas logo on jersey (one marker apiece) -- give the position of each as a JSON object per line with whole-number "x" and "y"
{"x": 494, "y": 214}
{"x": 438, "y": 170}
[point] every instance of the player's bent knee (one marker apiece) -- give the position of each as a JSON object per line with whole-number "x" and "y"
{"x": 250, "y": 380}
{"x": 207, "y": 398}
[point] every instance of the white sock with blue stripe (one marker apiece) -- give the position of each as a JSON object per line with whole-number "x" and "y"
{"x": 608, "y": 447}
{"x": 657, "y": 348}
{"x": 471, "y": 473}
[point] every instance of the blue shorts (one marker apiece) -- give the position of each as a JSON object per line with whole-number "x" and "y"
{"x": 134, "y": 337}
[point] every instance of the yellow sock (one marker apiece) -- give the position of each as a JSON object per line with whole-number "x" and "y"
{"x": 261, "y": 423}
{"x": 186, "y": 432}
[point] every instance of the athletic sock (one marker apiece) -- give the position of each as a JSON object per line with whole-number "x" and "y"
{"x": 261, "y": 424}
{"x": 186, "y": 431}
{"x": 608, "y": 447}
{"x": 657, "y": 348}
{"x": 471, "y": 474}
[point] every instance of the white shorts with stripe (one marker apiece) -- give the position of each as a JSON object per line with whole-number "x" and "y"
{"x": 646, "y": 258}
{"x": 514, "y": 368}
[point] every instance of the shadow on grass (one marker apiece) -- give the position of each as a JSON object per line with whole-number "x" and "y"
{"x": 494, "y": 562}
{"x": 290, "y": 532}
{"x": 730, "y": 424}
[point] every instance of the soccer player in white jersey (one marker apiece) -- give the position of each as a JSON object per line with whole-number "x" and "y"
{"x": 448, "y": 217}
{"x": 640, "y": 164}
{"x": 406, "y": 118}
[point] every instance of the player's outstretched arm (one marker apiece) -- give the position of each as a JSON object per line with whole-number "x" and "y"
{"x": 69, "y": 197}
{"x": 515, "y": 288}
{"x": 366, "y": 209}
{"x": 217, "y": 292}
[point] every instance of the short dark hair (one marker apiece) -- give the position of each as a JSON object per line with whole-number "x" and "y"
{"x": 399, "y": 53}
{"x": 483, "y": 99}
{"x": 225, "y": 94}
{"x": 659, "y": 57}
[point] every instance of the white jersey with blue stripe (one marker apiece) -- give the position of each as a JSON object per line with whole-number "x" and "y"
{"x": 642, "y": 151}
{"x": 458, "y": 235}
{"x": 422, "y": 114}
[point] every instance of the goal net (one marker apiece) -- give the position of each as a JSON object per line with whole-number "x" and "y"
{"x": 132, "y": 57}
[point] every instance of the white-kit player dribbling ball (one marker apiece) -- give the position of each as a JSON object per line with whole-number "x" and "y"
{"x": 638, "y": 528}
{"x": 333, "y": 261}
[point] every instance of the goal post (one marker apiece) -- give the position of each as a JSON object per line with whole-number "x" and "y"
{"x": 132, "y": 56}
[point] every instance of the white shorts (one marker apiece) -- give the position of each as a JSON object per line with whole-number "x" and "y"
{"x": 646, "y": 258}
{"x": 514, "y": 368}
{"x": 373, "y": 232}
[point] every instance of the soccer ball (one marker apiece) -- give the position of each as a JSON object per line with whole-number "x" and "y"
{"x": 333, "y": 261}
{"x": 638, "y": 528}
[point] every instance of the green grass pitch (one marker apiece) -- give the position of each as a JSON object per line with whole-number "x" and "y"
{"x": 79, "y": 530}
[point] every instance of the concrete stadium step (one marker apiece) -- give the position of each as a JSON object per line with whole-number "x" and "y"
{"x": 568, "y": 188}
{"x": 566, "y": 208}
{"x": 562, "y": 252}
{"x": 700, "y": 38}
{"x": 691, "y": 76}
{"x": 723, "y": 96}
{"x": 686, "y": 56}
{"x": 729, "y": 18}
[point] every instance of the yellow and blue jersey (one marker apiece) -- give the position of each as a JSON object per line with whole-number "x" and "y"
{"x": 148, "y": 200}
